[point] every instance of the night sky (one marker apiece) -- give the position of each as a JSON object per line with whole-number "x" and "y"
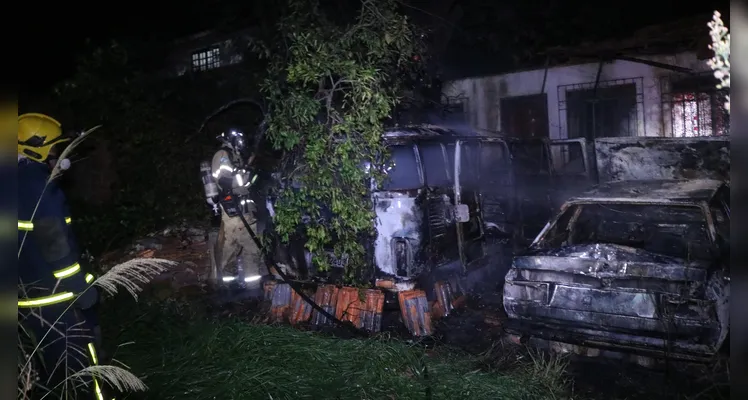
{"x": 54, "y": 57}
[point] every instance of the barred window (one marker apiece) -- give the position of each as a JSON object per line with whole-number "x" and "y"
{"x": 695, "y": 107}
{"x": 204, "y": 60}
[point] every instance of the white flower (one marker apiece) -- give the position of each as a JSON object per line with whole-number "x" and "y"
{"x": 720, "y": 63}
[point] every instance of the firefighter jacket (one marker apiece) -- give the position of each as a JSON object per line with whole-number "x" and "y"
{"x": 49, "y": 269}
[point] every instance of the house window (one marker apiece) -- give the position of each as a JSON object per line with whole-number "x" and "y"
{"x": 455, "y": 112}
{"x": 694, "y": 107}
{"x": 452, "y": 110}
{"x": 204, "y": 60}
{"x": 603, "y": 109}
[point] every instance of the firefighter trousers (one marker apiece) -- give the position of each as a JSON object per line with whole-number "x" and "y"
{"x": 234, "y": 241}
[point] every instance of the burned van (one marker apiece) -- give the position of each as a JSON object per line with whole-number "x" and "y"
{"x": 443, "y": 193}
{"x": 446, "y": 194}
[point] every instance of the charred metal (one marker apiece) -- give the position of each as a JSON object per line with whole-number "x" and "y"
{"x": 631, "y": 260}
{"x": 663, "y": 158}
{"x": 630, "y": 266}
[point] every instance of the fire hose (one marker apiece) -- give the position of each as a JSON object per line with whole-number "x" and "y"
{"x": 270, "y": 263}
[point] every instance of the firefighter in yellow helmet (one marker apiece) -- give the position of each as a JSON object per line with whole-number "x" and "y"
{"x": 52, "y": 285}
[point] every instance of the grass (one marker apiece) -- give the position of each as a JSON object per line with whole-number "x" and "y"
{"x": 128, "y": 277}
{"x": 183, "y": 354}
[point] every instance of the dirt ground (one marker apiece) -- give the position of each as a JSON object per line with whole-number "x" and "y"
{"x": 476, "y": 328}
{"x": 188, "y": 246}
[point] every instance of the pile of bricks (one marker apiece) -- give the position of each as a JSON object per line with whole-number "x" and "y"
{"x": 361, "y": 308}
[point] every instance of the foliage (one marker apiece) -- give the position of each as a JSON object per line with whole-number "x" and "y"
{"x": 720, "y": 63}
{"x": 330, "y": 87}
{"x": 154, "y": 181}
{"x": 329, "y": 83}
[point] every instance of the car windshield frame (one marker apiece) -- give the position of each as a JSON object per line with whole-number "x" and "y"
{"x": 570, "y": 212}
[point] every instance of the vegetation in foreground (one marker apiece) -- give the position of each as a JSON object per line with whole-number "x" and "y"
{"x": 182, "y": 353}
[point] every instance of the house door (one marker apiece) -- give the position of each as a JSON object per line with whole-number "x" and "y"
{"x": 525, "y": 116}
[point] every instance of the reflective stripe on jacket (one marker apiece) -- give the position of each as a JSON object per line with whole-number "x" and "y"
{"x": 48, "y": 263}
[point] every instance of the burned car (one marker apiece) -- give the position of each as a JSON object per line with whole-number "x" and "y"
{"x": 636, "y": 267}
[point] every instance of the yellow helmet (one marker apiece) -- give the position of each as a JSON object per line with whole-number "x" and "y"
{"x": 37, "y": 134}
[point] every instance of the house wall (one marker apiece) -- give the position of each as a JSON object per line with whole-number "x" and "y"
{"x": 481, "y": 96}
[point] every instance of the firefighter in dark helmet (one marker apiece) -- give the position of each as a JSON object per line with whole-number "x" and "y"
{"x": 52, "y": 285}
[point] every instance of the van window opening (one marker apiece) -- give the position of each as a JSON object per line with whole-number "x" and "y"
{"x": 402, "y": 169}
{"x": 435, "y": 165}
